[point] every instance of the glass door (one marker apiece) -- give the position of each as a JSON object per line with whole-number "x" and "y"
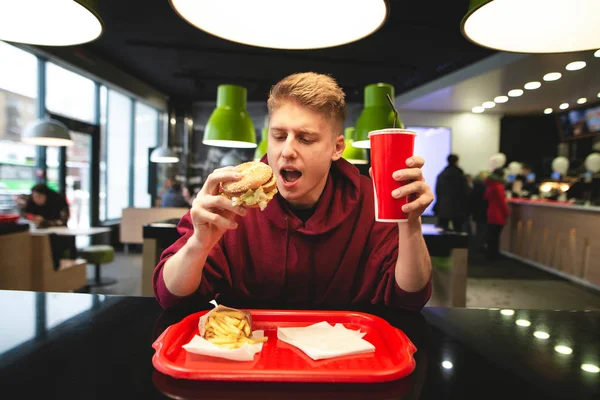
{"x": 78, "y": 180}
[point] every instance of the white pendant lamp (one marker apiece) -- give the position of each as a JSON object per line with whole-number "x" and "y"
{"x": 163, "y": 154}
{"x": 47, "y": 132}
{"x": 534, "y": 26}
{"x": 286, "y": 24}
{"x": 49, "y": 22}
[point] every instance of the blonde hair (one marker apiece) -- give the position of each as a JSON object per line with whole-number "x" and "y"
{"x": 317, "y": 92}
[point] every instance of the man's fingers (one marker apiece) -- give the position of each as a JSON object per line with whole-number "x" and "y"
{"x": 410, "y": 174}
{"x": 415, "y": 162}
{"x": 419, "y": 204}
{"x": 417, "y": 187}
{"x": 211, "y": 186}
{"x": 222, "y": 203}
{"x": 216, "y": 219}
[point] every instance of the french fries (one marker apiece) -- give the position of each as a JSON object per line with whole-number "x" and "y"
{"x": 229, "y": 329}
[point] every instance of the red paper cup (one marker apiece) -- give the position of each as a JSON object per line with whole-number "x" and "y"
{"x": 390, "y": 148}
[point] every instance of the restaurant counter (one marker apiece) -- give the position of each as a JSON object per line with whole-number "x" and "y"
{"x": 74, "y": 346}
{"x": 558, "y": 237}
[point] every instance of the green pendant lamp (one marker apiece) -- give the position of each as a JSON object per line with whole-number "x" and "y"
{"x": 230, "y": 124}
{"x": 377, "y": 114}
{"x": 353, "y": 154}
{"x": 533, "y": 26}
{"x": 261, "y": 150}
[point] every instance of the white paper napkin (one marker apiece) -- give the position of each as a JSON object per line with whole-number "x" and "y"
{"x": 321, "y": 341}
{"x": 199, "y": 345}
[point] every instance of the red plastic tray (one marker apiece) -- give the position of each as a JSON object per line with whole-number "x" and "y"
{"x": 8, "y": 218}
{"x": 281, "y": 362}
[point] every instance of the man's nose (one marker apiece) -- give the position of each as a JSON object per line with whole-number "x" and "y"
{"x": 288, "y": 149}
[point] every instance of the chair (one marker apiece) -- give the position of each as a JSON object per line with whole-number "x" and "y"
{"x": 98, "y": 254}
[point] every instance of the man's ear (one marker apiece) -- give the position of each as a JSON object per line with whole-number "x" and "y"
{"x": 340, "y": 145}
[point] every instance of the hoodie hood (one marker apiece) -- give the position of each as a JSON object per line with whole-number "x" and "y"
{"x": 339, "y": 198}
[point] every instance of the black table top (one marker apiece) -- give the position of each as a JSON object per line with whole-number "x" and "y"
{"x": 95, "y": 347}
{"x": 16, "y": 227}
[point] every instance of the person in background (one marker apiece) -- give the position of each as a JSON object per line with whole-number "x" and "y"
{"x": 188, "y": 194}
{"x": 452, "y": 196}
{"x": 173, "y": 197}
{"x": 46, "y": 208}
{"x": 527, "y": 182}
{"x": 497, "y": 212}
{"x": 478, "y": 209}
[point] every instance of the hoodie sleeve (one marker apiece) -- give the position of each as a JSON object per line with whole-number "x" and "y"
{"x": 380, "y": 276}
{"x": 215, "y": 273}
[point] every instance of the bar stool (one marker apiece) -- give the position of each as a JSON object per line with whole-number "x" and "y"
{"x": 98, "y": 254}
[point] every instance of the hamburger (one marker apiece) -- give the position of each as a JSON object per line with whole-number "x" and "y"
{"x": 256, "y": 188}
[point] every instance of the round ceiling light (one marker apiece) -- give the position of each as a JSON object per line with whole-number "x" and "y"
{"x": 292, "y": 25}
{"x": 581, "y": 100}
{"x": 552, "y": 76}
{"x": 564, "y": 106}
{"x": 501, "y": 99}
{"x": 575, "y": 66}
{"x": 597, "y": 53}
{"x": 478, "y": 109}
{"x": 515, "y": 93}
{"x": 536, "y": 26}
{"x": 489, "y": 104}
{"x": 50, "y": 22}
{"x": 548, "y": 111}
{"x": 532, "y": 85}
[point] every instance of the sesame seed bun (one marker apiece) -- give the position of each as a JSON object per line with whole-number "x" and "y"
{"x": 255, "y": 174}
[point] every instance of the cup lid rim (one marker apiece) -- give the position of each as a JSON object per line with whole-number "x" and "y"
{"x": 393, "y": 131}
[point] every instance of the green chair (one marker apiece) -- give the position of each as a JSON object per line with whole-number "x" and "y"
{"x": 98, "y": 254}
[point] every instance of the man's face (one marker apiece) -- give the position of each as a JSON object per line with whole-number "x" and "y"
{"x": 38, "y": 198}
{"x": 302, "y": 145}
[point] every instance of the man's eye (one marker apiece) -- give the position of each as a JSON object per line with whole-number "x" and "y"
{"x": 306, "y": 141}
{"x": 278, "y": 137}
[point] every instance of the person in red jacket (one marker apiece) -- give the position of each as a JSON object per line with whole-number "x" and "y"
{"x": 317, "y": 242}
{"x": 497, "y": 212}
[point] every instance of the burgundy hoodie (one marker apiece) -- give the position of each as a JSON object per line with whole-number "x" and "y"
{"x": 339, "y": 257}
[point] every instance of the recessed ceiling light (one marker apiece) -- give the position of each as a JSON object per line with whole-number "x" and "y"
{"x": 501, "y": 99}
{"x": 590, "y": 368}
{"x": 523, "y": 322}
{"x": 478, "y": 110}
{"x": 507, "y": 312}
{"x": 575, "y": 66}
{"x": 534, "y": 26}
{"x": 489, "y": 104}
{"x": 541, "y": 335}
{"x": 563, "y": 349}
{"x": 548, "y": 111}
{"x": 582, "y": 100}
{"x": 597, "y": 54}
{"x": 515, "y": 93}
{"x": 276, "y": 24}
{"x": 598, "y": 95}
{"x": 564, "y": 106}
{"x": 552, "y": 76}
{"x": 532, "y": 85}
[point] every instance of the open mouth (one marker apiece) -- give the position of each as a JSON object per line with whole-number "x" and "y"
{"x": 290, "y": 175}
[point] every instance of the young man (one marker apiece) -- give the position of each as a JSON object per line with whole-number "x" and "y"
{"x": 317, "y": 242}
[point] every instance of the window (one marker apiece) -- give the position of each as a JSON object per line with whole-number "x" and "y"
{"x": 117, "y": 156}
{"x": 18, "y": 92}
{"x": 146, "y": 125}
{"x": 69, "y": 94}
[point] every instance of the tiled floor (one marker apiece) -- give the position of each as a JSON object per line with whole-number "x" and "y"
{"x": 505, "y": 283}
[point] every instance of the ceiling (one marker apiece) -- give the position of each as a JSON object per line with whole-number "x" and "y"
{"x": 147, "y": 39}
{"x": 496, "y": 75}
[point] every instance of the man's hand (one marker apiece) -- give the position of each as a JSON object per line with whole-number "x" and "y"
{"x": 418, "y": 191}
{"x": 211, "y": 213}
